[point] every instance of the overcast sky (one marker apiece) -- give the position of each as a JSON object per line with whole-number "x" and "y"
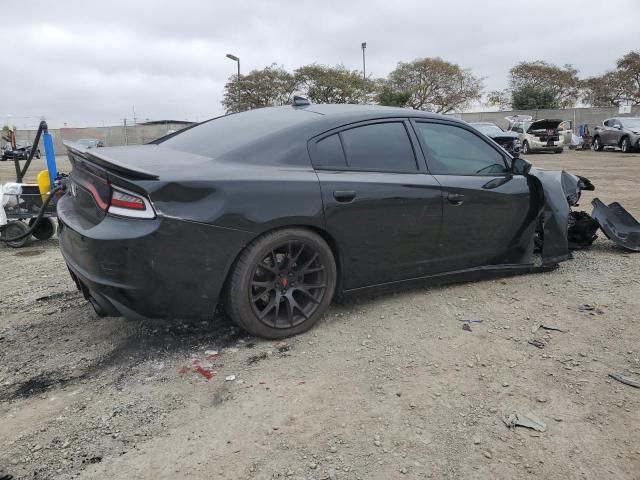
{"x": 87, "y": 62}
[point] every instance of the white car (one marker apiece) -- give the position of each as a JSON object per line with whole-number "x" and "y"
{"x": 537, "y": 135}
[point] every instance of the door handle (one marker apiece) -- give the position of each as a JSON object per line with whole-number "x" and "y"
{"x": 344, "y": 196}
{"x": 455, "y": 198}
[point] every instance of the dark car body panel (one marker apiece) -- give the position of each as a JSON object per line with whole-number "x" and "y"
{"x": 617, "y": 224}
{"x": 397, "y": 227}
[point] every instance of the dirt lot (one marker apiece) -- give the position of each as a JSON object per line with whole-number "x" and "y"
{"x": 384, "y": 387}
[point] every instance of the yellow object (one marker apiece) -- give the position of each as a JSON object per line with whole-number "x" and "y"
{"x": 44, "y": 184}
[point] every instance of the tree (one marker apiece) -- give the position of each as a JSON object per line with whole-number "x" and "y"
{"x": 499, "y": 98}
{"x": 436, "y": 85}
{"x": 392, "y": 98}
{"x": 533, "y": 97}
{"x": 268, "y": 87}
{"x": 606, "y": 90}
{"x": 615, "y": 87}
{"x": 562, "y": 82}
{"x": 629, "y": 69}
{"x": 323, "y": 84}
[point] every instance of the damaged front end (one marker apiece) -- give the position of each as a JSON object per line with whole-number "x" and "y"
{"x": 561, "y": 230}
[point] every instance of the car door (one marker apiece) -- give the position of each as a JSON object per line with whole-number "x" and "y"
{"x": 486, "y": 209}
{"x": 616, "y": 132}
{"x": 606, "y": 133}
{"x": 380, "y": 204}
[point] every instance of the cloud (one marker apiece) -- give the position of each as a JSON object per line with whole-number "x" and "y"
{"x": 88, "y": 62}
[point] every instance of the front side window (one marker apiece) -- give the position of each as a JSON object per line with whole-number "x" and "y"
{"x": 453, "y": 150}
{"x": 380, "y": 146}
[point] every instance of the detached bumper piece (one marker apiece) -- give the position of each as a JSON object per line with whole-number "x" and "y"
{"x": 617, "y": 224}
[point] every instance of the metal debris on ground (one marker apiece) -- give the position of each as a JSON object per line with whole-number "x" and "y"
{"x": 528, "y": 420}
{"x": 625, "y": 379}
{"x": 230, "y": 378}
{"x": 470, "y": 320}
{"x": 536, "y": 343}
{"x": 537, "y": 326}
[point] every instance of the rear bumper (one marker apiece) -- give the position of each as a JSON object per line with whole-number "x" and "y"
{"x": 160, "y": 268}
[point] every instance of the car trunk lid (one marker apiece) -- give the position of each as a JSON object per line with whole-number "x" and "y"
{"x": 96, "y": 174}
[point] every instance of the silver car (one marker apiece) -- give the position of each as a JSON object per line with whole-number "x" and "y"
{"x": 621, "y": 132}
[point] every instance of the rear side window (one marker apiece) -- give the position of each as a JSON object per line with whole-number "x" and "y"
{"x": 329, "y": 153}
{"x": 381, "y": 146}
{"x": 453, "y": 150}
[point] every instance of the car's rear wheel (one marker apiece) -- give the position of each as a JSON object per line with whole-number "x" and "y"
{"x": 625, "y": 145}
{"x": 282, "y": 283}
{"x": 525, "y": 147}
{"x": 597, "y": 146}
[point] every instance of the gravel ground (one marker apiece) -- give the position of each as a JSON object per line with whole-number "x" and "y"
{"x": 384, "y": 387}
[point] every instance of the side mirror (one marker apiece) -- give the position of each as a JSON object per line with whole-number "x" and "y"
{"x": 520, "y": 166}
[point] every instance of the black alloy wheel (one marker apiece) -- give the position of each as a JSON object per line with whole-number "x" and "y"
{"x": 288, "y": 285}
{"x": 282, "y": 284}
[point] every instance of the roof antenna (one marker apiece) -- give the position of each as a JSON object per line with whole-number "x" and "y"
{"x": 299, "y": 101}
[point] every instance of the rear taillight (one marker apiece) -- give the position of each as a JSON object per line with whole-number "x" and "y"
{"x": 128, "y": 204}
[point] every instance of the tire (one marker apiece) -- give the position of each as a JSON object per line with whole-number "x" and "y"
{"x": 45, "y": 229}
{"x": 15, "y": 229}
{"x": 269, "y": 272}
{"x": 525, "y": 148}
{"x": 625, "y": 145}
{"x": 38, "y": 154}
{"x": 559, "y": 150}
{"x": 597, "y": 146}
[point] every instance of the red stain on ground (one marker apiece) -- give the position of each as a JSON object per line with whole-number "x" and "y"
{"x": 205, "y": 373}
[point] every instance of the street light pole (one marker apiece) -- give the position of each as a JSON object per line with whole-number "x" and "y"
{"x": 237, "y": 60}
{"x": 364, "y": 68}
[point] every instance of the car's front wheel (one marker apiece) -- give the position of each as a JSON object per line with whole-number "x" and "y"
{"x": 282, "y": 283}
{"x": 597, "y": 146}
{"x": 625, "y": 146}
{"x": 525, "y": 147}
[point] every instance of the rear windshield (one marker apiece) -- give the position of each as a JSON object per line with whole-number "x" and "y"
{"x": 223, "y": 134}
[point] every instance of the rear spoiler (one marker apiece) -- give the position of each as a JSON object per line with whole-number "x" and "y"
{"x": 95, "y": 156}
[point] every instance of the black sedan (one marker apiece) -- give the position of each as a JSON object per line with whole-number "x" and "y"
{"x": 273, "y": 212}
{"x": 21, "y": 152}
{"x": 507, "y": 140}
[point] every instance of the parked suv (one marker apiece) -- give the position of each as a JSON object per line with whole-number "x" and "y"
{"x": 621, "y": 132}
{"x": 538, "y": 135}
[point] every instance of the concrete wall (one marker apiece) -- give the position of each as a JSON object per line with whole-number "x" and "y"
{"x": 591, "y": 116}
{"x": 110, "y": 136}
